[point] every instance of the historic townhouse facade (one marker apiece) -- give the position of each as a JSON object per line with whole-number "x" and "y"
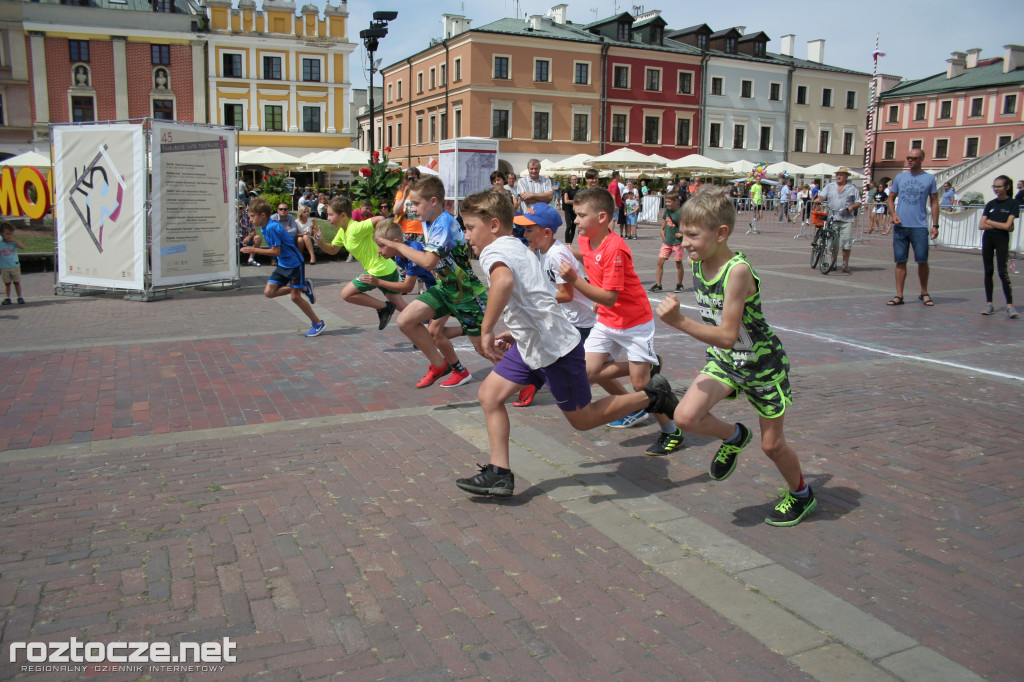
{"x": 15, "y": 97}
{"x": 828, "y": 109}
{"x": 971, "y": 109}
{"x": 281, "y": 79}
{"x": 110, "y": 60}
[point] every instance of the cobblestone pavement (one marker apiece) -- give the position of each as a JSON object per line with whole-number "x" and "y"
{"x": 193, "y": 468}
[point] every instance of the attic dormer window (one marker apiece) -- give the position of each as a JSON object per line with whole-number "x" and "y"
{"x": 702, "y": 41}
{"x": 623, "y": 32}
{"x": 166, "y": 6}
{"x": 759, "y": 48}
{"x": 657, "y": 37}
{"x": 730, "y": 46}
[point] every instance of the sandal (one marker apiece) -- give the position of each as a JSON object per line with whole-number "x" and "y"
{"x": 926, "y": 299}
{"x": 896, "y": 300}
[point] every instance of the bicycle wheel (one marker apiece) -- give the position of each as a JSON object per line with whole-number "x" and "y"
{"x": 817, "y": 250}
{"x": 830, "y": 251}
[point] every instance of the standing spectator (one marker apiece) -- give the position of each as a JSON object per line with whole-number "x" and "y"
{"x": 1020, "y": 193}
{"x": 570, "y": 213}
{"x": 306, "y": 234}
{"x": 287, "y": 221}
{"x": 949, "y": 198}
{"x": 498, "y": 185}
{"x": 880, "y": 213}
{"x": 510, "y": 183}
{"x": 615, "y": 189}
{"x": 842, "y": 200}
{"x": 632, "y": 207}
{"x": 916, "y": 191}
{"x": 321, "y": 206}
{"x": 996, "y": 225}
{"x": 534, "y": 188}
{"x": 803, "y": 197}
{"x": 405, "y": 212}
{"x": 643, "y": 189}
{"x": 556, "y": 194}
{"x": 243, "y": 192}
{"x": 10, "y": 265}
{"x": 785, "y": 195}
{"x": 756, "y": 202}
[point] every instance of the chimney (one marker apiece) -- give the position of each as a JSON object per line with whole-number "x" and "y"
{"x": 972, "y": 57}
{"x": 558, "y": 13}
{"x": 536, "y": 21}
{"x": 955, "y": 65}
{"x": 816, "y": 51}
{"x": 742, "y": 30}
{"x": 1013, "y": 58}
{"x": 454, "y": 24}
{"x": 787, "y": 44}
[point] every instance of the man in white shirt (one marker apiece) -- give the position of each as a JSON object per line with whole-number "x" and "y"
{"x": 534, "y": 188}
{"x": 842, "y": 199}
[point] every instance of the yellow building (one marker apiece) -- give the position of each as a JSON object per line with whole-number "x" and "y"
{"x": 281, "y": 79}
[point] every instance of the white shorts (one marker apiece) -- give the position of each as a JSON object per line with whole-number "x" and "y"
{"x": 637, "y": 342}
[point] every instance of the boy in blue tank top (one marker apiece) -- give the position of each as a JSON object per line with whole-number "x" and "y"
{"x": 743, "y": 356}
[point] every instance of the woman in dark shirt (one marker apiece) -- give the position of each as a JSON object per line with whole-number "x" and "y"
{"x": 996, "y": 225}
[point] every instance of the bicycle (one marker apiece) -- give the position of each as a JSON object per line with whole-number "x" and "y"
{"x": 825, "y": 245}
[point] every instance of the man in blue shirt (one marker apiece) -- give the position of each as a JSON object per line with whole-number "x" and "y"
{"x": 916, "y": 191}
{"x": 289, "y": 277}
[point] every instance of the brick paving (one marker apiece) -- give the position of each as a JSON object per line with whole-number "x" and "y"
{"x": 193, "y": 468}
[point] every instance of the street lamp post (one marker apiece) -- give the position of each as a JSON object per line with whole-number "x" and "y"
{"x": 378, "y": 29}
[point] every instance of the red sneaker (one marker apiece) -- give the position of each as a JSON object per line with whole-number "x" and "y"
{"x": 525, "y": 396}
{"x": 432, "y": 375}
{"x": 457, "y": 379}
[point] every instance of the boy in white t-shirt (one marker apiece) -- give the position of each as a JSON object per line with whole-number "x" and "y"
{"x": 540, "y": 343}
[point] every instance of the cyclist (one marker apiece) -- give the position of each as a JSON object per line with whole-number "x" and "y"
{"x": 842, "y": 199}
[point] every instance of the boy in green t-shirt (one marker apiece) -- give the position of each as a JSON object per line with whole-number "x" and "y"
{"x": 357, "y": 238}
{"x": 743, "y": 355}
{"x": 671, "y": 241}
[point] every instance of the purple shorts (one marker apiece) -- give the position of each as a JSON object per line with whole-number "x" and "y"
{"x": 566, "y": 377}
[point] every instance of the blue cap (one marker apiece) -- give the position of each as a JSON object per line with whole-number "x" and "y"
{"x": 541, "y": 215}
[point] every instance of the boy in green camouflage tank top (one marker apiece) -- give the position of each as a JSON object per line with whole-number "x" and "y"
{"x": 743, "y": 356}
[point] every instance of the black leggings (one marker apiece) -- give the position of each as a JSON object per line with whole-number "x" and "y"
{"x": 997, "y": 243}
{"x": 570, "y": 226}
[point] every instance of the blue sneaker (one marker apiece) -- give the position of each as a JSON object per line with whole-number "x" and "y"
{"x": 630, "y": 420}
{"x": 316, "y": 329}
{"x": 307, "y": 289}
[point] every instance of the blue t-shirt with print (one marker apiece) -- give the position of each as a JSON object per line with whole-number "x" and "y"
{"x": 8, "y": 255}
{"x": 276, "y": 235}
{"x": 414, "y": 270}
{"x": 913, "y": 193}
{"x": 454, "y": 271}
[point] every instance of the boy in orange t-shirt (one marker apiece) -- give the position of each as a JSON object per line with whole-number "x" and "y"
{"x": 625, "y": 321}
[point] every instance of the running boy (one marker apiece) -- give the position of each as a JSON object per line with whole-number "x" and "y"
{"x": 458, "y": 292}
{"x": 540, "y": 228}
{"x": 671, "y": 241}
{"x": 356, "y": 236}
{"x": 289, "y": 277}
{"x": 540, "y": 343}
{"x": 10, "y": 265}
{"x": 743, "y": 355}
{"x": 624, "y": 318}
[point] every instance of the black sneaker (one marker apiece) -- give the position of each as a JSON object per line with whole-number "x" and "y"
{"x": 384, "y": 314}
{"x": 667, "y": 443}
{"x": 656, "y": 287}
{"x": 679, "y": 287}
{"x": 791, "y": 510}
{"x": 656, "y": 366}
{"x": 662, "y": 399}
{"x": 488, "y": 482}
{"x": 724, "y": 462}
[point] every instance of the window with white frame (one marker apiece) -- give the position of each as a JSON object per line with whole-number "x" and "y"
{"x": 419, "y": 130}
{"x": 971, "y": 147}
{"x": 273, "y": 117}
{"x": 746, "y": 89}
{"x": 231, "y": 65}
{"x": 390, "y": 92}
{"x": 457, "y": 120}
{"x": 977, "y": 106}
{"x": 717, "y": 85}
{"x": 775, "y": 92}
{"x": 685, "y": 85}
{"x": 1009, "y": 105}
{"x": 311, "y": 69}
{"x": 765, "y": 139}
{"x": 443, "y": 72}
{"x": 851, "y": 99}
{"x": 419, "y": 83}
{"x": 1003, "y": 140}
{"x": 398, "y": 134}
{"x": 311, "y": 120}
{"x": 620, "y": 126}
{"x": 163, "y": 109}
{"x": 824, "y": 141}
{"x": 458, "y": 69}
{"x": 889, "y": 150}
{"x": 799, "y": 139}
{"x": 501, "y": 67}
{"x": 941, "y": 148}
{"x": 848, "y": 140}
{"x": 501, "y": 122}
{"x": 541, "y": 125}
{"x": 801, "y": 94}
{"x": 652, "y": 129}
{"x": 581, "y": 73}
{"x": 234, "y": 115}
{"x": 683, "y": 132}
{"x": 739, "y": 136}
{"x": 432, "y": 127}
{"x": 826, "y": 97}
{"x": 272, "y": 68}
{"x": 580, "y": 127}
{"x": 715, "y": 135}
{"x": 398, "y": 89}
{"x": 433, "y": 78}
{"x": 917, "y": 144}
{"x": 620, "y": 76}
{"x": 542, "y": 70}
{"x": 894, "y": 113}
{"x": 920, "y": 111}
{"x": 946, "y": 109}
{"x": 652, "y": 80}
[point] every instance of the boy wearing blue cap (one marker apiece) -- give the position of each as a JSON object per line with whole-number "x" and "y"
{"x": 540, "y": 343}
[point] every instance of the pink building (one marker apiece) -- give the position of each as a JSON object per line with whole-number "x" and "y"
{"x": 971, "y": 109}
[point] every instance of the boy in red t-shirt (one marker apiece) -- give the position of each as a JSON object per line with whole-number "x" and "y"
{"x": 625, "y": 321}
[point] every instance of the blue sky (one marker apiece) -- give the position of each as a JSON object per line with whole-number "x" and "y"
{"x": 917, "y": 37}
